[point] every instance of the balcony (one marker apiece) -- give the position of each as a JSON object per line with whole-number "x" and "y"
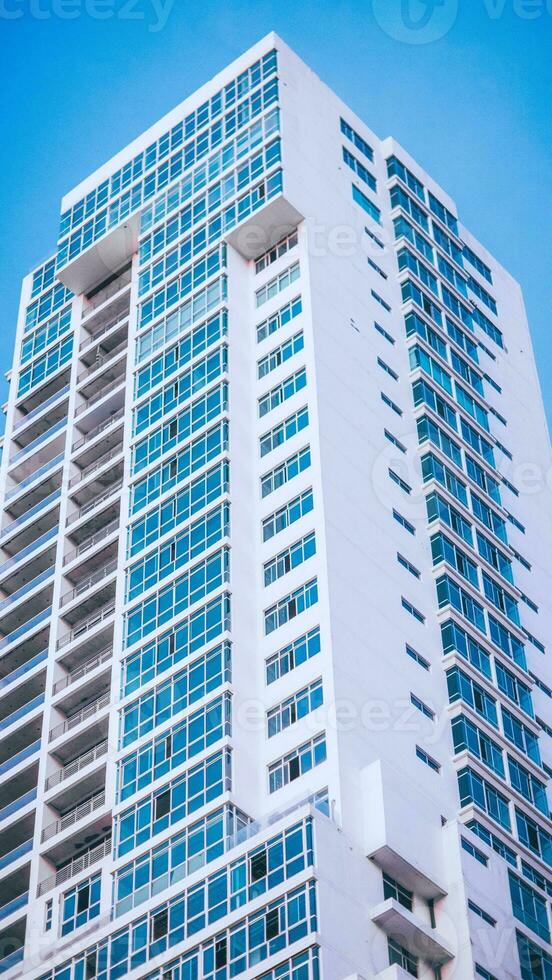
{"x": 21, "y": 686}
{"x": 23, "y": 531}
{"x": 12, "y": 959}
{"x": 75, "y": 866}
{"x": 19, "y": 713}
{"x": 14, "y": 905}
{"x": 97, "y": 394}
{"x": 20, "y": 673}
{"x": 19, "y": 769}
{"x": 21, "y": 632}
{"x": 11, "y": 575}
{"x": 85, "y": 809}
{"x": 86, "y": 546}
{"x": 28, "y": 428}
{"x": 414, "y": 935}
{"x": 38, "y": 485}
{"x": 110, "y": 328}
{"x": 99, "y": 464}
{"x": 87, "y": 583}
{"x": 99, "y": 510}
{"x": 46, "y": 392}
{"x": 30, "y": 424}
{"x": 27, "y": 602}
{"x": 86, "y": 713}
{"x": 90, "y": 665}
{"x": 39, "y": 453}
{"x": 93, "y": 623}
{"x": 103, "y": 427}
{"x": 76, "y": 765}
{"x": 56, "y": 429}
{"x": 18, "y": 804}
{"x": 19, "y": 757}
{"x": 10, "y": 857}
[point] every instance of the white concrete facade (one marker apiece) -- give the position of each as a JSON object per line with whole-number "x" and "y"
{"x": 238, "y": 326}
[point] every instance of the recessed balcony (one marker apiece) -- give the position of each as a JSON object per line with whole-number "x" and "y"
{"x": 89, "y": 713}
{"x": 91, "y": 593}
{"x": 76, "y": 667}
{"x": 23, "y": 566}
{"x": 98, "y": 477}
{"x": 19, "y": 737}
{"x": 11, "y": 809}
{"x": 98, "y": 511}
{"x": 28, "y": 425}
{"x": 20, "y": 674}
{"x": 17, "y": 691}
{"x": 23, "y": 633}
{"x": 107, "y": 533}
{"x": 66, "y": 871}
{"x": 27, "y": 602}
{"x": 45, "y": 393}
{"x": 104, "y": 329}
{"x": 16, "y": 829}
{"x": 96, "y": 628}
{"x": 83, "y": 452}
{"x": 75, "y": 765}
{"x": 31, "y": 524}
{"x": 107, "y": 381}
{"x": 81, "y": 826}
{"x": 12, "y": 941}
{"x": 38, "y": 452}
{"x": 17, "y": 854}
{"x": 38, "y": 485}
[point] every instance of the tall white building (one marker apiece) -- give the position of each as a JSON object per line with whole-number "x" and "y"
{"x": 276, "y": 595}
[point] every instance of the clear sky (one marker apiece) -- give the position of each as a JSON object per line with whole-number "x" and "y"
{"x": 464, "y": 85}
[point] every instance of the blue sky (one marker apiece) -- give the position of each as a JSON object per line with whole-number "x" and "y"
{"x": 464, "y": 85}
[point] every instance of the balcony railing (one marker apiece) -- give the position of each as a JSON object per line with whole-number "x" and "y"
{"x": 80, "y": 811}
{"x": 14, "y": 905}
{"x": 98, "y": 395}
{"x": 28, "y": 550}
{"x": 60, "y": 775}
{"x": 12, "y": 959}
{"x": 40, "y": 408}
{"x": 16, "y": 853}
{"x": 96, "y": 465}
{"x": 91, "y": 505}
{"x": 25, "y": 753}
{"x": 101, "y": 360}
{"x": 18, "y": 804}
{"x": 94, "y": 539}
{"x": 105, "y": 328}
{"x": 25, "y": 628}
{"x": 84, "y": 714}
{"x": 42, "y": 504}
{"x": 23, "y": 669}
{"x": 75, "y": 866}
{"x": 107, "y": 424}
{"x": 86, "y": 668}
{"x": 108, "y": 292}
{"x": 86, "y": 625}
{"x": 86, "y": 583}
{"x": 41, "y": 471}
{"x": 28, "y": 587}
{"x": 38, "y": 441}
{"x": 21, "y": 712}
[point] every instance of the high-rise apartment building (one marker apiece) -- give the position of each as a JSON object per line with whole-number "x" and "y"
{"x": 275, "y": 522}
